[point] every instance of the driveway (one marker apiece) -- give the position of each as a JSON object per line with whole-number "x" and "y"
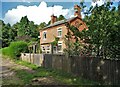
{"x": 8, "y": 74}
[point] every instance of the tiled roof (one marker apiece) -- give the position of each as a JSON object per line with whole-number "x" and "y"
{"x": 59, "y": 22}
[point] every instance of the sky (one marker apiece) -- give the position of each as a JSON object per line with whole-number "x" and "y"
{"x": 40, "y": 11}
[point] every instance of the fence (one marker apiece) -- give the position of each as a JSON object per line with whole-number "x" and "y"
{"x": 98, "y": 69}
{"x": 36, "y": 59}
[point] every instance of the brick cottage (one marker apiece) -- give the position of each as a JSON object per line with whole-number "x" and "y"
{"x": 59, "y": 29}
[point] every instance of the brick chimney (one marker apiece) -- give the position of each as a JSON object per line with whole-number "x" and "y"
{"x": 77, "y": 11}
{"x": 53, "y": 19}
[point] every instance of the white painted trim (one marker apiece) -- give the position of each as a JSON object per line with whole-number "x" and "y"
{"x": 59, "y": 30}
{"x": 60, "y": 41}
{"x": 46, "y": 35}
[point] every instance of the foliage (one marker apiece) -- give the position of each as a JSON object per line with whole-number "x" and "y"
{"x": 103, "y": 31}
{"x": 8, "y": 34}
{"x": 55, "y": 42}
{"x": 42, "y": 25}
{"x": 6, "y": 51}
{"x": 23, "y": 30}
{"x": 74, "y": 44}
{"x": 26, "y": 28}
{"x": 15, "y": 49}
{"x": 61, "y": 17}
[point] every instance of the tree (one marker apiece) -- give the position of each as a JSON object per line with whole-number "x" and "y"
{"x": 42, "y": 25}
{"x": 103, "y": 31}
{"x": 5, "y": 34}
{"x": 102, "y": 36}
{"x": 26, "y": 28}
{"x": 61, "y": 17}
{"x": 74, "y": 45}
{"x": 8, "y": 34}
{"x": 23, "y": 26}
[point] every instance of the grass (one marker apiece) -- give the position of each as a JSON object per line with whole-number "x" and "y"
{"x": 62, "y": 77}
{"x": 24, "y": 76}
{"x": 32, "y": 66}
{"x": 58, "y": 75}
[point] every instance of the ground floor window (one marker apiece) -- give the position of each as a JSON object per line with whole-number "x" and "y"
{"x": 59, "y": 48}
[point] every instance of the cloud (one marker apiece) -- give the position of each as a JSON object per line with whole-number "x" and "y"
{"x": 97, "y": 2}
{"x": 35, "y": 13}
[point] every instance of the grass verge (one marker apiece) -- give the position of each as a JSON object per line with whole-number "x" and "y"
{"x": 62, "y": 77}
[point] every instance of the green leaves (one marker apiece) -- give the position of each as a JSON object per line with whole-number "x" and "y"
{"x": 26, "y": 28}
{"x": 104, "y": 31}
{"x": 15, "y": 49}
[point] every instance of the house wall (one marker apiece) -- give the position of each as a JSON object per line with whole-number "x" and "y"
{"x": 51, "y": 33}
{"x": 78, "y": 22}
{"x": 47, "y": 48}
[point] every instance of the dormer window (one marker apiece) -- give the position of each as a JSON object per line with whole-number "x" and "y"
{"x": 44, "y": 35}
{"x": 59, "y": 32}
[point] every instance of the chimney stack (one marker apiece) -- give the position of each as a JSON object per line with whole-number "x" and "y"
{"x": 77, "y": 11}
{"x": 53, "y": 19}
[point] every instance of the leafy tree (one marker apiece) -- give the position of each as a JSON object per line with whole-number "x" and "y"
{"x": 74, "y": 44}
{"x": 5, "y": 34}
{"x": 33, "y": 30}
{"x": 8, "y": 34}
{"x": 42, "y": 25}
{"x": 61, "y": 17}
{"x": 23, "y": 26}
{"x": 103, "y": 31}
{"x": 26, "y": 28}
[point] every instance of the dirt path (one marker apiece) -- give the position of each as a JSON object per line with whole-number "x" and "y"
{"x": 8, "y": 72}
{"x": 9, "y": 75}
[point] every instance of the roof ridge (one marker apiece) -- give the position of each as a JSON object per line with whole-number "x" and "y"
{"x": 59, "y": 22}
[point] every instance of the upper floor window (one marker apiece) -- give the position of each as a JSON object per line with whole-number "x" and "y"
{"x": 44, "y": 35}
{"x": 59, "y": 32}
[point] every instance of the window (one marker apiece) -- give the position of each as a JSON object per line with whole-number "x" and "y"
{"x": 59, "y": 32}
{"x": 48, "y": 47}
{"x": 59, "y": 46}
{"x": 43, "y": 48}
{"x": 44, "y": 35}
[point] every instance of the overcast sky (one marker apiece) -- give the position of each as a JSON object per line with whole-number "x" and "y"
{"x": 41, "y": 11}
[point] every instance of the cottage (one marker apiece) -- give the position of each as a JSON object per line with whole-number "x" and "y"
{"x": 59, "y": 29}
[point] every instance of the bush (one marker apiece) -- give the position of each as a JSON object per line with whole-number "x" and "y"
{"x": 6, "y": 51}
{"x": 15, "y": 49}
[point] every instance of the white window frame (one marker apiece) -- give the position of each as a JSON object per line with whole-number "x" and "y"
{"x": 59, "y": 29}
{"x": 43, "y": 35}
{"x": 60, "y": 43}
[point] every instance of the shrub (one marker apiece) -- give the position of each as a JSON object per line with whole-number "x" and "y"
{"x": 6, "y": 51}
{"x": 15, "y": 49}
